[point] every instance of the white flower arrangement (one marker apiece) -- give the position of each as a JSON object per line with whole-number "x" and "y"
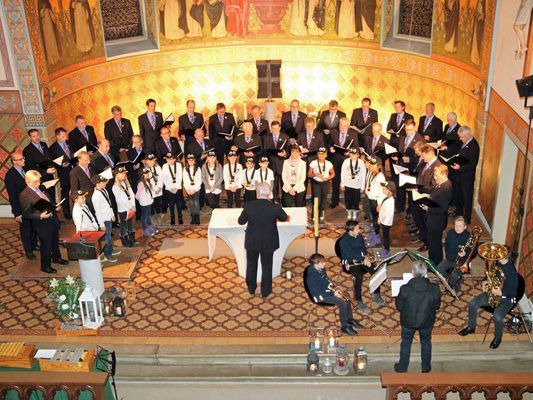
{"x": 64, "y": 294}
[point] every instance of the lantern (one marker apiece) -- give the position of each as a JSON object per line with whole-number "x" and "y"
{"x": 332, "y": 341}
{"x": 360, "y": 360}
{"x": 327, "y": 368}
{"x": 312, "y": 363}
{"x": 341, "y": 367}
{"x": 91, "y": 308}
{"x": 118, "y": 307}
{"x": 317, "y": 340}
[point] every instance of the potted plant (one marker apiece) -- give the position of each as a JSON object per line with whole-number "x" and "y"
{"x": 63, "y": 294}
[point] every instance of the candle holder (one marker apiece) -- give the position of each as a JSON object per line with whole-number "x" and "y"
{"x": 360, "y": 361}
{"x": 312, "y": 363}
{"x": 341, "y": 367}
{"x": 332, "y": 341}
{"x": 317, "y": 340}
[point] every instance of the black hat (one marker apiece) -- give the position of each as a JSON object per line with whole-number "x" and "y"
{"x": 211, "y": 154}
{"x": 232, "y": 153}
{"x": 119, "y": 170}
{"x": 250, "y": 159}
{"x": 98, "y": 178}
{"x": 170, "y": 155}
{"x": 80, "y": 193}
{"x": 389, "y": 185}
{"x": 146, "y": 171}
{"x": 353, "y": 150}
{"x": 263, "y": 159}
{"x": 322, "y": 150}
{"x": 151, "y": 157}
{"x": 191, "y": 157}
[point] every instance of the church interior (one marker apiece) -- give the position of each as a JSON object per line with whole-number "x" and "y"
{"x": 170, "y": 313}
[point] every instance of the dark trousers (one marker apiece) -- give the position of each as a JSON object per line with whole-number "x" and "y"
{"x": 233, "y": 198}
{"x": 298, "y": 200}
{"x": 320, "y": 190}
{"x": 49, "y": 238}
{"x": 146, "y": 212}
{"x": 27, "y": 235}
{"x": 212, "y": 200}
{"x": 345, "y": 309}
{"x": 375, "y": 215}
{"x": 336, "y": 181}
{"x": 464, "y": 197}
{"x": 65, "y": 192}
{"x": 252, "y": 258}
{"x": 385, "y": 236}
{"x": 249, "y": 195}
{"x": 482, "y": 300}
{"x": 126, "y": 224}
{"x": 276, "y": 189}
{"x": 435, "y": 226}
{"x": 156, "y": 206}
{"x": 419, "y": 219}
{"x": 194, "y": 204}
{"x": 108, "y": 249}
{"x": 174, "y": 201}
{"x": 358, "y": 271}
{"x": 222, "y": 146}
{"x": 425, "y": 347}
{"x": 401, "y": 194}
{"x": 352, "y": 198}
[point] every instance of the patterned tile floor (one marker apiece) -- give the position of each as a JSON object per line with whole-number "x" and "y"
{"x": 189, "y": 296}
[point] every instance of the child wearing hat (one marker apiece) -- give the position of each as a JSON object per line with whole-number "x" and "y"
{"x": 293, "y": 176}
{"x": 375, "y": 195}
{"x": 101, "y": 200}
{"x": 144, "y": 196}
{"x": 125, "y": 207}
{"x": 232, "y": 174}
{"x": 248, "y": 180}
{"x": 265, "y": 174}
{"x": 83, "y": 218}
{"x": 386, "y": 215}
{"x": 353, "y": 177}
{"x": 172, "y": 178}
{"x": 150, "y": 162}
{"x": 192, "y": 183}
{"x": 212, "y": 180}
{"x": 322, "y": 172}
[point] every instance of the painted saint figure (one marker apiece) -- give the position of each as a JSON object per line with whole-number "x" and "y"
{"x": 297, "y": 18}
{"x": 451, "y": 25}
{"x": 50, "y": 33}
{"x": 82, "y": 25}
{"x": 520, "y": 27}
{"x": 238, "y": 12}
{"x": 195, "y": 17}
{"x": 217, "y": 18}
{"x": 477, "y": 32}
{"x": 173, "y": 19}
{"x": 345, "y": 19}
{"x": 365, "y": 16}
{"x": 315, "y": 18}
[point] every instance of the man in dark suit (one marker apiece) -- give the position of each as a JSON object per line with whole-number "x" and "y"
{"x": 61, "y": 148}
{"x": 374, "y": 145}
{"x": 430, "y": 126}
{"x": 45, "y": 223}
{"x": 362, "y": 117}
{"x": 119, "y": 132}
{"x": 437, "y": 215}
{"x": 346, "y": 138}
{"x": 81, "y": 176}
{"x": 166, "y": 144}
{"x": 417, "y": 302}
{"x": 247, "y": 141}
{"x": 82, "y": 134}
{"x": 222, "y": 130}
{"x": 149, "y": 125}
{"x": 261, "y": 238}
{"x": 189, "y": 122}
{"x": 310, "y": 140}
{"x": 293, "y": 121}
{"x": 329, "y": 121}
{"x": 36, "y": 153}
{"x": 198, "y": 146}
{"x": 466, "y": 172}
{"x": 15, "y": 184}
{"x": 102, "y": 159}
{"x": 397, "y": 121}
{"x": 451, "y": 148}
{"x": 276, "y": 140}
{"x": 260, "y": 124}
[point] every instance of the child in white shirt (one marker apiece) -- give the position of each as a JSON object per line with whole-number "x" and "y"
{"x": 265, "y": 174}
{"x": 248, "y": 180}
{"x": 125, "y": 207}
{"x": 192, "y": 183}
{"x": 353, "y": 177}
{"x": 145, "y": 197}
{"x": 232, "y": 173}
{"x": 172, "y": 178}
{"x": 386, "y": 215}
{"x": 101, "y": 200}
{"x": 322, "y": 172}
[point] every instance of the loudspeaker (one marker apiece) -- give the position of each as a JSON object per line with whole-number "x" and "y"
{"x": 525, "y": 86}
{"x": 268, "y": 79}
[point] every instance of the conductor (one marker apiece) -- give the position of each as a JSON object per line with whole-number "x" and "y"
{"x": 261, "y": 238}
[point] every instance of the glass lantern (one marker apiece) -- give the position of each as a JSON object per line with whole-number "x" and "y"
{"x": 360, "y": 360}
{"x": 91, "y": 308}
{"x": 327, "y": 368}
{"x": 341, "y": 367}
{"x": 332, "y": 341}
{"x": 118, "y": 307}
{"x": 317, "y": 340}
{"x": 312, "y": 363}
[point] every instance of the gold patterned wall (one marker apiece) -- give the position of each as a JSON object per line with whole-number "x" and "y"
{"x": 313, "y": 74}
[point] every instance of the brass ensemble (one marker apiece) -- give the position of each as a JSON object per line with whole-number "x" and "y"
{"x": 343, "y": 293}
{"x": 470, "y": 244}
{"x": 492, "y": 253}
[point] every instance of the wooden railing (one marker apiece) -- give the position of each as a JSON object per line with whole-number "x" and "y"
{"x": 72, "y": 383}
{"x": 464, "y": 383}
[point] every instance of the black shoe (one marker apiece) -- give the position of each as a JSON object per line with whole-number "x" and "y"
{"x": 61, "y": 261}
{"x": 334, "y": 204}
{"x": 422, "y": 248}
{"x": 355, "y": 324}
{"x": 495, "y": 343}
{"x": 172, "y": 221}
{"x": 180, "y": 219}
{"x": 348, "y": 330}
{"x": 426, "y": 371}
{"x": 30, "y": 256}
{"x": 264, "y": 296}
{"x": 125, "y": 241}
{"x": 398, "y": 369}
{"x": 49, "y": 270}
{"x": 132, "y": 239}
{"x": 252, "y": 292}
{"x": 466, "y": 331}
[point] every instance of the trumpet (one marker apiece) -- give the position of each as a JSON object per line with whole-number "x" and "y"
{"x": 342, "y": 293}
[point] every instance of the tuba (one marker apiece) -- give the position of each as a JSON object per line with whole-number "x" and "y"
{"x": 492, "y": 253}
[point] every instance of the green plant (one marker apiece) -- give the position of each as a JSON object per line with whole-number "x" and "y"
{"x": 64, "y": 294}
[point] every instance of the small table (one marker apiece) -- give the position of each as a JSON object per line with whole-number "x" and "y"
{"x": 224, "y": 225}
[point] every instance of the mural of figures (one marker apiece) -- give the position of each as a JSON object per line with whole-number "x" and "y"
{"x": 345, "y": 19}
{"x": 82, "y": 25}
{"x": 315, "y": 17}
{"x": 521, "y": 25}
{"x": 477, "y": 32}
{"x": 217, "y": 17}
{"x": 238, "y": 12}
{"x": 451, "y": 25}
{"x": 365, "y": 16}
{"x": 173, "y": 19}
{"x": 195, "y": 17}
{"x": 49, "y": 33}
{"x": 297, "y": 18}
